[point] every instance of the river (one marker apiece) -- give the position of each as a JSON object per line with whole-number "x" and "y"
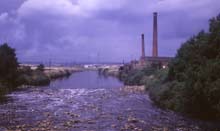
{"x": 87, "y": 101}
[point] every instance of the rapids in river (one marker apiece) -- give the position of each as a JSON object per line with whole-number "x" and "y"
{"x": 87, "y": 101}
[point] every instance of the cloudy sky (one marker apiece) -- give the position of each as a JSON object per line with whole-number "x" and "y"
{"x": 99, "y": 30}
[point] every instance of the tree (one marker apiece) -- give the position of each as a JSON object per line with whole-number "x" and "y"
{"x": 8, "y": 65}
{"x": 197, "y": 67}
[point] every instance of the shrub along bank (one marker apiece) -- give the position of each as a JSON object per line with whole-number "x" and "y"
{"x": 40, "y": 76}
{"x": 33, "y": 77}
{"x": 132, "y": 76}
{"x": 12, "y": 75}
{"x": 191, "y": 85}
{"x": 8, "y": 69}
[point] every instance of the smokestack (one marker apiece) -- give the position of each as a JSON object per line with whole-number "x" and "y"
{"x": 143, "y": 46}
{"x": 155, "y": 36}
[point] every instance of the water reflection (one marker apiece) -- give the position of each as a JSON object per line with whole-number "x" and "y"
{"x": 87, "y": 79}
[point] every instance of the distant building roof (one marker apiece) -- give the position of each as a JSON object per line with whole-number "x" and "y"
{"x": 156, "y": 59}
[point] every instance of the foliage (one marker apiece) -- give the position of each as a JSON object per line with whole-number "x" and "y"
{"x": 37, "y": 78}
{"x": 193, "y": 84}
{"x": 157, "y": 78}
{"x": 168, "y": 94}
{"x": 134, "y": 76}
{"x": 32, "y": 77}
{"x": 8, "y": 65}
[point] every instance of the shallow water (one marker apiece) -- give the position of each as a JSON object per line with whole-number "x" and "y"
{"x": 87, "y": 101}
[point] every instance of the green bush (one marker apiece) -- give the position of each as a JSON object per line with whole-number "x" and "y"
{"x": 157, "y": 78}
{"x": 39, "y": 78}
{"x": 135, "y": 76}
{"x": 27, "y": 76}
{"x": 193, "y": 82}
{"x": 8, "y": 65}
{"x": 34, "y": 78}
{"x": 168, "y": 95}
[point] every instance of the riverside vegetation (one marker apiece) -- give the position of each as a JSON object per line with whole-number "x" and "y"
{"x": 13, "y": 76}
{"x": 191, "y": 85}
{"x": 8, "y": 69}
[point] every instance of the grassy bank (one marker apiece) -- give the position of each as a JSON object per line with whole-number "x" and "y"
{"x": 177, "y": 96}
{"x": 173, "y": 94}
{"x": 54, "y": 73}
{"x": 132, "y": 76}
{"x": 14, "y": 75}
{"x": 35, "y": 77}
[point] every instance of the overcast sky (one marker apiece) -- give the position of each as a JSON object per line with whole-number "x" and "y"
{"x": 99, "y": 30}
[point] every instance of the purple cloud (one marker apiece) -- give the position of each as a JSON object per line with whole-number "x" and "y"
{"x": 99, "y": 30}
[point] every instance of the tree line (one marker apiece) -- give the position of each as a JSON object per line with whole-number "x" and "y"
{"x": 191, "y": 84}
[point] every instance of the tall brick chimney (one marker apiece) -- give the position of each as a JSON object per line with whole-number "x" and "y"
{"x": 155, "y": 36}
{"x": 142, "y": 46}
